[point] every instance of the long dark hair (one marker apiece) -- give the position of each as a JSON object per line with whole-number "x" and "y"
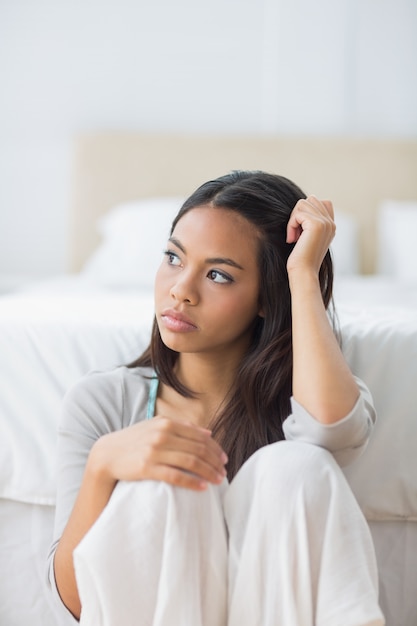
{"x": 256, "y": 406}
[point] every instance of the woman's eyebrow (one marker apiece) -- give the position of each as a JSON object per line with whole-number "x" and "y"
{"x": 177, "y": 243}
{"x": 212, "y": 260}
{"x": 224, "y": 261}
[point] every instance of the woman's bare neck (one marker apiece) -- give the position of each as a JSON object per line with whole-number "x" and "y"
{"x": 210, "y": 384}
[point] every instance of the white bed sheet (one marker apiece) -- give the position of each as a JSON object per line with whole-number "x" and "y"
{"x": 381, "y": 348}
{"x": 378, "y": 317}
{"x": 396, "y": 550}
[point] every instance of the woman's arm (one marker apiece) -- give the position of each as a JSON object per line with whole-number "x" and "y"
{"x": 322, "y": 381}
{"x": 94, "y": 493}
{"x": 179, "y": 453}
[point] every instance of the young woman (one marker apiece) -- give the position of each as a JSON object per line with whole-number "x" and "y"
{"x": 178, "y": 500}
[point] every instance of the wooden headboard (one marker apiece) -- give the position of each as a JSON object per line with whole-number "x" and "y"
{"x": 357, "y": 174}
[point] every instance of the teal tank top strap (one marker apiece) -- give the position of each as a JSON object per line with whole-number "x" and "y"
{"x": 150, "y": 412}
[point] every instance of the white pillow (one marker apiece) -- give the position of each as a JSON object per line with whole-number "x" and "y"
{"x": 134, "y": 236}
{"x": 345, "y": 245}
{"x": 397, "y": 240}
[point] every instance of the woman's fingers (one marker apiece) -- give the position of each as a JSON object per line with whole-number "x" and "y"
{"x": 306, "y": 213}
{"x": 177, "y": 477}
{"x": 311, "y": 228}
{"x": 153, "y": 448}
{"x": 329, "y": 206}
{"x": 186, "y": 436}
{"x": 190, "y": 463}
{"x": 188, "y": 447}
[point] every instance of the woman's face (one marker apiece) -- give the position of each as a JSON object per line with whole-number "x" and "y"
{"x": 207, "y": 287}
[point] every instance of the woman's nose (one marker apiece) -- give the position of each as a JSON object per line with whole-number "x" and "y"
{"x": 184, "y": 290}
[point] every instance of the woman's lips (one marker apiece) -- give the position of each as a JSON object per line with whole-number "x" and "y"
{"x": 177, "y": 322}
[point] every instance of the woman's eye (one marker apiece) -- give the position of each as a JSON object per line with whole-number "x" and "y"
{"x": 219, "y": 277}
{"x": 172, "y": 258}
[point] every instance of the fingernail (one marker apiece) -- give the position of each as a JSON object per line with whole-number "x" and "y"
{"x": 225, "y": 458}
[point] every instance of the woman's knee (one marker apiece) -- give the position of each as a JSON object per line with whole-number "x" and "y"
{"x": 286, "y": 458}
{"x": 150, "y": 504}
{"x": 147, "y": 509}
{"x": 280, "y": 472}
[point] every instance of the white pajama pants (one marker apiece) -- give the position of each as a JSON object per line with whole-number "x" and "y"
{"x": 284, "y": 544}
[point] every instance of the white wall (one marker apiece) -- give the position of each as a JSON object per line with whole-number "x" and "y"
{"x": 290, "y": 66}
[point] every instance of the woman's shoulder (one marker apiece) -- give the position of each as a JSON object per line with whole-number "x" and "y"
{"x": 116, "y": 397}
{"x": 108, "y": 383}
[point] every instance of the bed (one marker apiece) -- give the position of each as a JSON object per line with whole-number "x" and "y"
{"x": 126, "y": 188}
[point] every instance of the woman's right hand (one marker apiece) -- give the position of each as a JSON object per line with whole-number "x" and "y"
{"x": 163, "y": 449}
{"x": 177, "y": 452}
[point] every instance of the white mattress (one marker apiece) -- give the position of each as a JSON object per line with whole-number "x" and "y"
{"x": 25, "y": 535}
{"x": 48, "y": 340}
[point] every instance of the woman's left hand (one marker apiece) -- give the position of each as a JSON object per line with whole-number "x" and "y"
{"x": 311, "y": 226}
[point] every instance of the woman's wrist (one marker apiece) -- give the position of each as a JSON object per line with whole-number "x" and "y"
{"x": 303, "y": 278}
{"x": 99, "y": 464}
